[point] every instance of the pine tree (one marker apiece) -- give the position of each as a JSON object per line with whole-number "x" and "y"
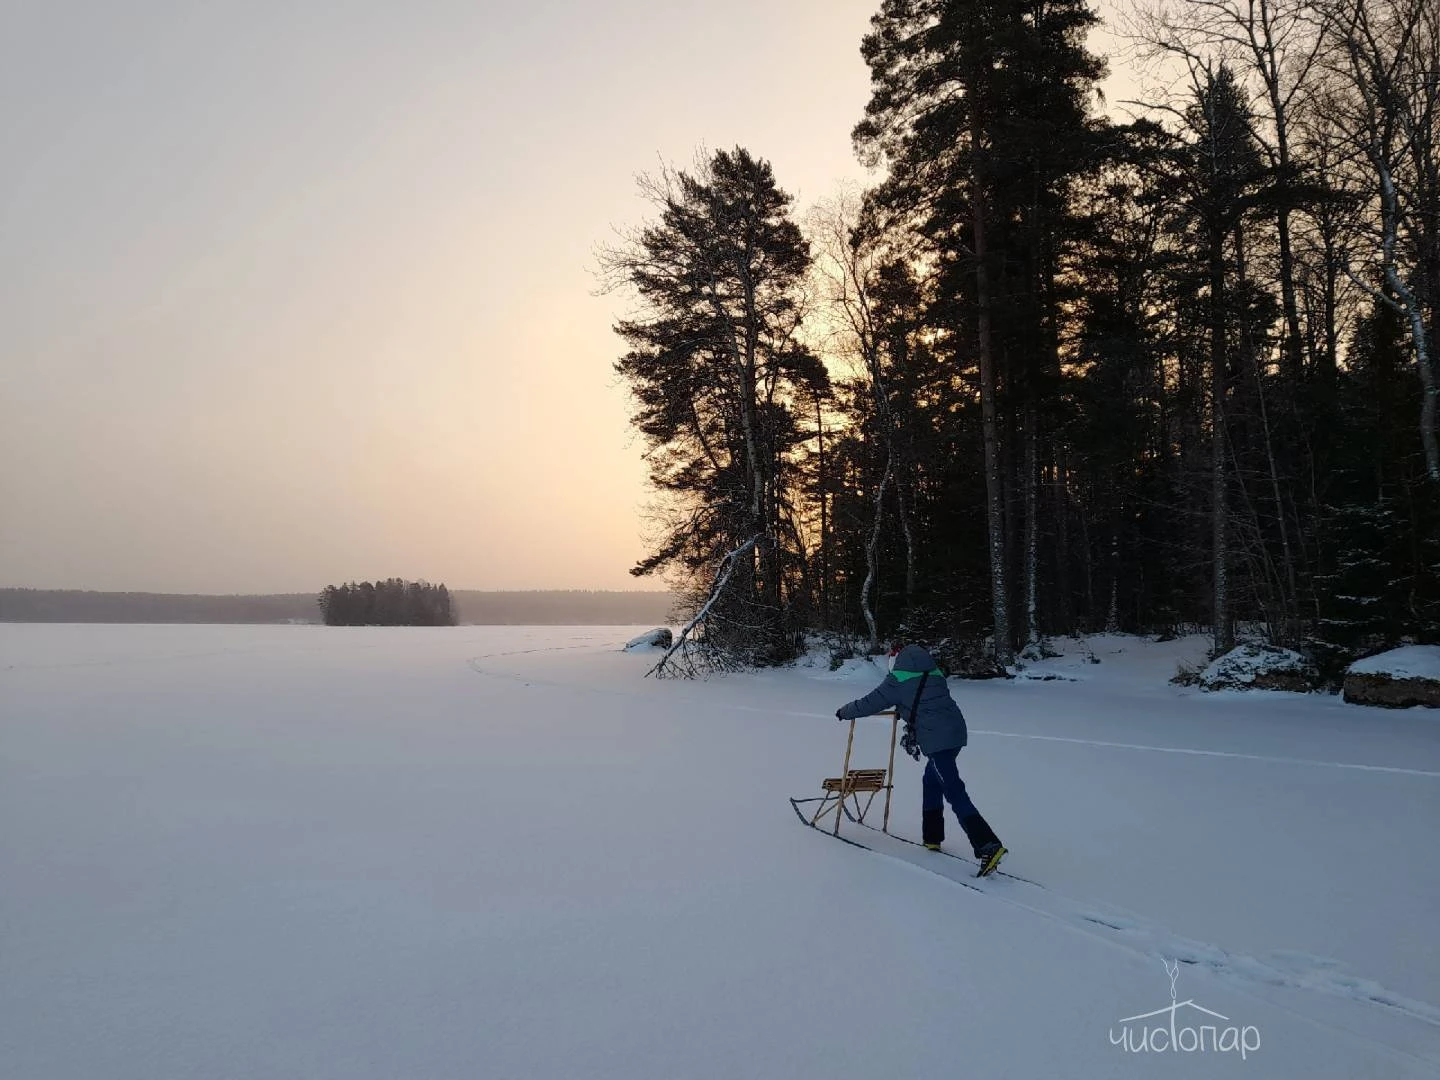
{"x": 979, "y": 111}
{"x": 717, "y": 374}
{"x": 1222, "y": 169}
{"x": 1380, "y": 542}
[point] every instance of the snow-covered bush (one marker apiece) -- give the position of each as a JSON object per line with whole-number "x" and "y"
{"x": 1036, "y": 651}
{"x": 1187, "y": 674}
{"x": 1397, "y": 679}
{"x": 1259, "y": 667}
{"x": 966, "y": 659}
{"x": 831, "y": 649}
{"x": 842, "y": 649}
{"x": 961, "y": 652}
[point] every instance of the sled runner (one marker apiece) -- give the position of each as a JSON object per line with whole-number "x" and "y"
{"x": 896, "y": 847}
{"x": 968, "y": 860}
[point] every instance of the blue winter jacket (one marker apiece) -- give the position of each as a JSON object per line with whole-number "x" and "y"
{"x": 939, "y": 723}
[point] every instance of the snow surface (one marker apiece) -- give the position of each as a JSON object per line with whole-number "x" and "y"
{"x": 303, "y": 852}
{"x": 1409, "y": 662}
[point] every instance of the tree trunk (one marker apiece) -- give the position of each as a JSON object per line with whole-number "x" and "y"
{"x": 1408, "y": 304}
{"x": 1032, "y": 532}
{"x": 824, "y": 597}
{"x": 1293, "y": 351}
{"x": 1112, "y": 617}
{"x": 1223, "y": 628}
{"x": 1271, "y": 73}
{"x": 994, "y": 483}
{"x": 1288, "y": 590}
{"x": 901, "y": 490}
{"x": 872, "y": 551}
{"x": 1332, "y": 309}
{"x": 1065, "y": 610}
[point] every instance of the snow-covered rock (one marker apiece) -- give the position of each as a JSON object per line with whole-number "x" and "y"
{"x": 1259, "y": 667}
{"x": 867, "y": 668}
{"x": 1398, "y": 679}
{"x": 659, "y": 638}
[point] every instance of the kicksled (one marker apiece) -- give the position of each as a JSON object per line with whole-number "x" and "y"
{"x": 842, "y": 794}
{"x": 851, "y": 797}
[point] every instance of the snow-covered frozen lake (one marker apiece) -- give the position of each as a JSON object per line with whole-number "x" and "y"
{"x": 486, "y": 852}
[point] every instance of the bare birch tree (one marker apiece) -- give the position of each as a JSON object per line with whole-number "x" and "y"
{"x": 1385, "y": 55}
{"x": 852, "y": 260}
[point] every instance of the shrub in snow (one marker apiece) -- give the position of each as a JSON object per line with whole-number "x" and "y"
{"x": 659, "y": 638}
{"x": 957, "y": 646}
{"x": 834, "y": 647}
{"x": 1259, "y": 667}
{"x": 1397, "y": 679}
{"x": 965, "y": 664}
{"x": 1187, "y": 675}
{"x": 1036, "y": 651}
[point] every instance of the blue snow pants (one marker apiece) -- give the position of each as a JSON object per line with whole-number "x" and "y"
{"x": 941, "y": 781}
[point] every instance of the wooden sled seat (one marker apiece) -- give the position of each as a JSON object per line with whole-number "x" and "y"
{"x": 856, "y": 780}
{"x": 852, "y": 783}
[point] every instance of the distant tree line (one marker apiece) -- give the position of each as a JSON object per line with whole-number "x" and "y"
{"x": 86, "y": 606}
{"x": 392, "y": 602}
{"x": 1056, "y": 372}
{"x": 554, "y": 607}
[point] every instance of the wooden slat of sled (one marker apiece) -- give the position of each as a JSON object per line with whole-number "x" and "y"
{"x": 856, "y": 780}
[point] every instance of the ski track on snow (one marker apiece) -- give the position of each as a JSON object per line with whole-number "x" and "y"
{"x": 1142, "y": 937}
{"x": 1217, "y": 753}
{"x": 1105, "y": 922}
{"x": 1274, "y": 760}
{"x": 1133, "y": 931}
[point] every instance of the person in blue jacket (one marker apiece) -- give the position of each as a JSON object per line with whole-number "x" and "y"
{"x": 917, "y": 687}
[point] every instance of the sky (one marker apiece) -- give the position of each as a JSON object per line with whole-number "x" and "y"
{"x": 298, "y": 293}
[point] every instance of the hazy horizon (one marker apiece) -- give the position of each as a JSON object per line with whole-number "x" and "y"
{"x": 312, "y": 592}
{"x": 470, "y": 606}
{"x": 296, "y": 296}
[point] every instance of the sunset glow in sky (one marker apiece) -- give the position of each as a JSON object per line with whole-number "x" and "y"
{"x": 298, "y": 293}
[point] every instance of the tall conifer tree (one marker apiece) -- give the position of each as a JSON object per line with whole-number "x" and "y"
{"x": 714, "y": 365}
{"x": 979, "y": 111}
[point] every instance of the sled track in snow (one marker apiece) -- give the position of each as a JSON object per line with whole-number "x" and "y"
{"x": 473, "y": 663}
{"x": 1272, "y": 759}
{"x": 1123, "y": 929}
{"x": 1144, "y": 937}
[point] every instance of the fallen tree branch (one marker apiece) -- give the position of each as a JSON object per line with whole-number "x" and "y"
{"x": 682, "y": 646}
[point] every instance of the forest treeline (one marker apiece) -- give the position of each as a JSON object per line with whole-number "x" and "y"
{"x": 392, "y": 602}
{"x": 1055, "y": 371}
{"x": 89, "y": 606}
{"x": 559, "y": 607}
